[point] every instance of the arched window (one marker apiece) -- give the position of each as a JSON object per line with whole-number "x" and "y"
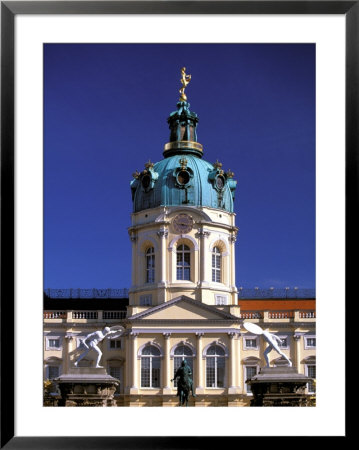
{"x": 215, "y": 364}
{"x": 150, "y": 265}
{"x": 216, "y": 265}
{"x": 183, "y": 262}
{"x": 150, "y": 367}
{"x": 182, "y": 352}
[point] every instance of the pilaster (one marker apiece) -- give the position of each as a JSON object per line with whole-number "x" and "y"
{"x": 134, "y": 363}
{"x": 199, "y": 368}
{"x": 133, "y": 238}
{"x": 166, "y": 365}
{"x": 232, "y": 282}
{"x": 66, "y": 352}
{"x": 233, "y": 365}
{"x": 298, "y": 341}
{"x": 203, "y": 235}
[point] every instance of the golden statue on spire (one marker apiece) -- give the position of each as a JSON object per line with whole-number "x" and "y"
{"x": 184, "y": 80}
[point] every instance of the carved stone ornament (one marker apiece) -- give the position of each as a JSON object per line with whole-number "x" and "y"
{"x": 162, "y": 233}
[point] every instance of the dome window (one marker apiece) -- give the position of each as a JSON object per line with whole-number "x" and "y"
{"x": 146, "y": 180}
{"x": 218, "y": 177}
{"x": 183, "y": 177}
{"x": 220, "y": 182}
{"x": 183, "y": 174}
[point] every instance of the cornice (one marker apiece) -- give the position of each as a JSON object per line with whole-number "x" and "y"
{"x": 201, "y": 322}
{"x": 183, "y": 298}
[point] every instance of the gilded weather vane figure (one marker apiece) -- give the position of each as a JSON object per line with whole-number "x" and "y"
{"x": 185, "y": 79}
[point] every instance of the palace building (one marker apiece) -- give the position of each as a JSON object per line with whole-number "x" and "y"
{"x": 183, "y": 301}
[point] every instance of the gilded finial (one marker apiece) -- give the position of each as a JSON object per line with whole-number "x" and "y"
{"x": 217, "y": 165}
{"x": 185, "y": 79}
{"x": 136, "y": 174}
{"x": 230, "y": 174}
{"x": 149, "y": 164}
{"x": 183, "y": 162}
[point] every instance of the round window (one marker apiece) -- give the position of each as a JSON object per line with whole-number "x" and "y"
{"x": 183, "y": 177}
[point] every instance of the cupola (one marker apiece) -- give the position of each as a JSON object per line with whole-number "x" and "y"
{"x": 183, "y": 178}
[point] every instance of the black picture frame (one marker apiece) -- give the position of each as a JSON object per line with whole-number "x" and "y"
{"x": 9, "y": 10}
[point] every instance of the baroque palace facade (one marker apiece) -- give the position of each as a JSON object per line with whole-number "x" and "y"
{"x": 183, "y": 301}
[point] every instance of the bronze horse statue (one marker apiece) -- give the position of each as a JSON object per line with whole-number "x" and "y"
{"x": 184, "y": 384}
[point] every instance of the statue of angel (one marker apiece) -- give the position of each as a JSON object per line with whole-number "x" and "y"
{"x": 91, "y": 340}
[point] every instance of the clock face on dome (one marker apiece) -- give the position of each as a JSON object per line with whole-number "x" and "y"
{"x": 182, "y": 223}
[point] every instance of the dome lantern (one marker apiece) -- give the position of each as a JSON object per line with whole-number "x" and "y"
{"x": 183, "y": 125}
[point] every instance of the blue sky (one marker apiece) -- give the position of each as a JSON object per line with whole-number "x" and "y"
{"x": 105, "y": 111}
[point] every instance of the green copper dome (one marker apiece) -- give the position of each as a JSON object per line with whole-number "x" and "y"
{"x": 183, "y": 178}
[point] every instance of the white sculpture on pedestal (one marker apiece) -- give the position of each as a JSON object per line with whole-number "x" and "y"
{"x": 270, "y": 338}
{"x": 91, "y": 340}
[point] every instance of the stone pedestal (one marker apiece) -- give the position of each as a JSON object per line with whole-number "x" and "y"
{"x": 87, "y": 386}
{"x": 279, "y": 386}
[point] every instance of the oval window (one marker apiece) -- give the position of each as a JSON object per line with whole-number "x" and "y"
{"x": 183, "y": 177}
{"x": 146, "y": 180}
{"x": 220, "y": 182}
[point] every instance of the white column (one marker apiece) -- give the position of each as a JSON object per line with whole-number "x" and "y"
{"x": 127, "y": 364}
{"x": 199, "y": 367}
{"x": 232, "y": 281}
{"x": 134, "y": 380}
{"x": 228, "y": 260}
{"x": 163, "y": 234}
{"x": 239, "y": 365}
{"x": 166, "y": 365}
{"x": 133, "y": 239}
{"x": 203, "y": 256}
{"x": 66, "y": 350}
{"x": 234, "y": 366}
{"x": 231, "y": 380}
{"x": 297, "y": 340}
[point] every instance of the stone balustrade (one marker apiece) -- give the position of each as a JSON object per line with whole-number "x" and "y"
{"x": 100, "y": 315}
{"x": 251, "y": 315}
{"x": 54, "y": 314}
{"x": 114, "y": 315}
{"x": 288, "y": 316}
{"x": 307, "y": 314}
{"x": 70, "y": 316}
{"x": 89, "y": 315}
{"x": 280, "y": 314}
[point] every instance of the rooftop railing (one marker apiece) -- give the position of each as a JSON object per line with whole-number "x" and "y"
{"x": 86, "y": 293}
{"x": 281, "y": 293}
{"x": 85, "y": 315}
{"x": 268, "y": 316}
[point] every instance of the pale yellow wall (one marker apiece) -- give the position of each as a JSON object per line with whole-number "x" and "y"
{"x": 129, "y": 357}
{"x": 218, "y": 227}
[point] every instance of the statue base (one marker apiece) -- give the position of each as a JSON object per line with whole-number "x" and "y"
{"x": 87, "y": 386}
{"x": 279, "y": 386}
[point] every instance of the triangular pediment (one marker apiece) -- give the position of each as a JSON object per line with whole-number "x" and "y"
{"x": 183, "y": 308}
